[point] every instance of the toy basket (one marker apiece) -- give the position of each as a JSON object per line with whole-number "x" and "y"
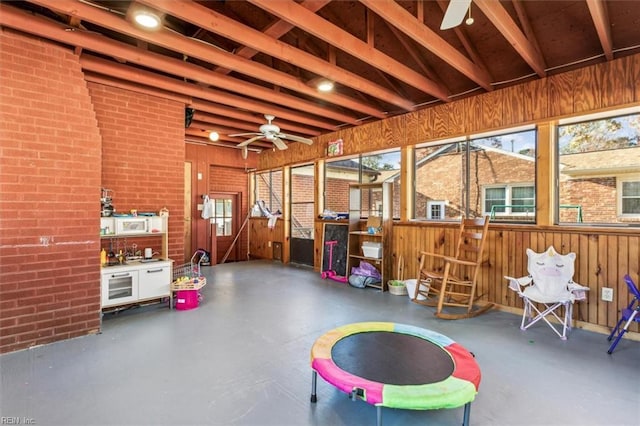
{"x": 191, "y": 271}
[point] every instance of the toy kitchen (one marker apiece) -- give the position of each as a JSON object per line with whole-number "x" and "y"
{"x": 133, "y": 256}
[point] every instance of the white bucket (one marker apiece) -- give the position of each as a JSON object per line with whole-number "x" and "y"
{"x": 411, "y": 289}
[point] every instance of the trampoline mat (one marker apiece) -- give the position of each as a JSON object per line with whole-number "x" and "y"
{"x": 392, "y": 358}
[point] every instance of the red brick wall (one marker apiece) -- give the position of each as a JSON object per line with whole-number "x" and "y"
{"x": 49, "y": 196}
{"x": 143, "y": 153}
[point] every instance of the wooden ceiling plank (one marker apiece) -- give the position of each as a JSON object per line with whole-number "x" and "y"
{"x": 208, "y": 53}
{"x": 466, "y": 43}
{"x": 523, "y": 17}
{"x": 426, "y": 69}
{"x": 332, "y": 34}
{"x": 196, "y": 91}
{"x": 400, "y": 18}
{"x": 220, "y": 24}
{"x": 498, "y": 15}
{"x": 280, "y": 27}
{"x": 600, "y": 16}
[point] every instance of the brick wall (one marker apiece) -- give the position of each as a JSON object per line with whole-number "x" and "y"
{"x": 49, "y": 196}
{"x": 143, "y": 155}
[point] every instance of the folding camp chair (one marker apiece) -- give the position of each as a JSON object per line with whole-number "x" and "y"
{"x": 628, "y": 315}
{"x": 550, "y": 284}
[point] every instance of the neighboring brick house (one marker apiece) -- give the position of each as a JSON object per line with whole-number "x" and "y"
{"x": 592, "y": 181}
{"x": 598, "y": 182}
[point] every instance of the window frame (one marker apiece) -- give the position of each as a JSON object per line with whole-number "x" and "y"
{"x": 620, "y": 180}
{"x": 440, "y": 203}
{"x": 509, "y": 199}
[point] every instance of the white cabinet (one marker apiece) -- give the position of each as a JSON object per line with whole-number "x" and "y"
{"x": 135, "y": 282}
{"x": 154, "y": 281}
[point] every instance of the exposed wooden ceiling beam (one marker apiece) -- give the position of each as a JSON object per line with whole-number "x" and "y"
{"x": 14, "y": 18}
{"x": 510, "y": 30}
{"x": 400, "y": 18}
{"x": 346, "y": 42}
{"x": 220, "y": 24}
{"x": 280, "y": 27}
{"x": 102, "y": 66}
{"x": 526, "y": 25}
{"x": 204, "y": 52}
{"x": 600, "y": 16}
{"x": 136, "y": 87}
{"x": 467, "y": 44}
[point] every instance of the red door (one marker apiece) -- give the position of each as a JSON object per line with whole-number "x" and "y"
{"x": 225, "y": 225}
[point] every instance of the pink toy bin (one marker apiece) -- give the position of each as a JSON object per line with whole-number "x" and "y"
{"x": 187, "y": 299}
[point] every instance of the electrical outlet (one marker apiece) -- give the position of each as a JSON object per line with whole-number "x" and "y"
{"x": 607, "y": 294}
{"x": 269, "y": 244}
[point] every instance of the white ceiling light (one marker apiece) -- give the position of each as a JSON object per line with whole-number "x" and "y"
{"x": 147, "y": 19}
{"x": 325, "y": 86}
{"x": 214, "y": 136}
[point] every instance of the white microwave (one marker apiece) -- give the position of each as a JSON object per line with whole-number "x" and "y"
{"x": 132, "y": 225}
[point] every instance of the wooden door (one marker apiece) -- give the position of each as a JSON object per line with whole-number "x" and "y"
{"x": 225, "y": 225}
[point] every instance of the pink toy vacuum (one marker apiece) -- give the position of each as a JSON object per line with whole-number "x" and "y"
{"x": 330, "y": 273}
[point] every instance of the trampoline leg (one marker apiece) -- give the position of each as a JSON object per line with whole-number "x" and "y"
{"x": 314, "y": 380}
{"x": 379, "y": 421}
{"x": 467, "y": 411}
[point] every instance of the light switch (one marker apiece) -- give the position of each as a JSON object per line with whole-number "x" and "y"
{"x": 199, "y": 176}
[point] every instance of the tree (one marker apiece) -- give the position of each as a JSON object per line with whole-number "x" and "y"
{"x": 599, "y": 135}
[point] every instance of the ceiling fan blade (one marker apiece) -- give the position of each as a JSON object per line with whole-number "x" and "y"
{"x": 455, "y": 13}
{"x": 279, "y": 143}
{"x": 248, "y": 141}
{"x": 296, "y": 138}
{"x": 245, "y": 134}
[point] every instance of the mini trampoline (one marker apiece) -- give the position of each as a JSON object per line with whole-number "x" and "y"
{"x": 396, "y": 366}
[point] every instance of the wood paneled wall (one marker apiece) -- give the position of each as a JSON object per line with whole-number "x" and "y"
{"x": 603, "y": 258}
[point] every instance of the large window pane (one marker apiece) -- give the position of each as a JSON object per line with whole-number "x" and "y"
{"x": 302, "y": 202}
{"x": 439, "y": 180}
{"x": 338, "y": 175}
{"x": 374, "y": 167}
{"x": 268, "y": 189}
{"x": 383, "y": 167}
{"x": 598, "y": 166}
{"x": 489, "y": 175}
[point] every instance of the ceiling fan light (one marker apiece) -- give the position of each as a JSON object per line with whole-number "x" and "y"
{"x": 325, "y": 86}
{"x": 469, "y": 21}
{"x": 147, "y": 19}
{"x": 214, "y": 136}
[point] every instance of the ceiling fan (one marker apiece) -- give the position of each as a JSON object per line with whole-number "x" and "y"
{"x": 455, "y": 13}
{"x": 270, "y": 132}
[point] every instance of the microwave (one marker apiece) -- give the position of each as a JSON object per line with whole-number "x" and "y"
{"x": 132, "y": 225}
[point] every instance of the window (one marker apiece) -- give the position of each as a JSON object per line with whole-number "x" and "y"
{"x": 223, "y": 217}
{"x": 509, "y": 200}
{"x": 268, "y": 188}
{"x": 598, "y": 162}
{"x": 630, "y": 198}
{"x": 302, "y": 201}
{"x": 435, "y": 209}
{"x": 476, "y": 176}
{"x": 374, "y": 167}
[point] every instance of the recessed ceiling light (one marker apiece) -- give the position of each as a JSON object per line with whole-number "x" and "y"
{"x": 214, "y": 136}
{"x": 147, "y": 19}
{"x": 325, "y": 86}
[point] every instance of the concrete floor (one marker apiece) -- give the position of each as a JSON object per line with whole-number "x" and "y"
{"x": 242, "y": 358}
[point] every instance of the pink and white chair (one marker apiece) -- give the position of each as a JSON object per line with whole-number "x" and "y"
{"x": 548, "y": 290}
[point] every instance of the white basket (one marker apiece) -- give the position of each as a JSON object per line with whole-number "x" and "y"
{"x": 371, "y": 249}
